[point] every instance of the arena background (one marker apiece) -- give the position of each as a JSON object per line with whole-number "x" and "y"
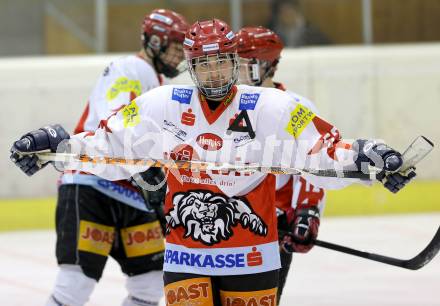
{"x": 379, "y": 78}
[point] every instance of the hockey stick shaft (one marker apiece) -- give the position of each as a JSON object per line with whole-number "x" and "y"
{"x": 199, "y": 166}
{"x": 418, "y": 150}
{"x": 414, "y": 263}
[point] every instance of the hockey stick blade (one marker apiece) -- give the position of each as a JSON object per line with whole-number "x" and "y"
{"x": 416, "y": 151}
{"x": 415, "y": 263}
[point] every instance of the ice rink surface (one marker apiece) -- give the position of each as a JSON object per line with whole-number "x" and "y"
{"x": 320, "y": 278}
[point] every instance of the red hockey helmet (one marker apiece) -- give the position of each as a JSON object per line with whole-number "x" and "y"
{"x": 259, "y": 49}
{"x": 159, "y": 29}
{"x": 214, "y": 44}
{"x": 260, "y": 43}
{"x": 166, "y": 25}
{"x": 209, "y": 37}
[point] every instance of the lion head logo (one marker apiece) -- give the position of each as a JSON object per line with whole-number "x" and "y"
{"x": 209, "y": 217}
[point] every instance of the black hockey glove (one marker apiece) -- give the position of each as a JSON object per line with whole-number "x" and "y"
{"x": 46, "y": 138}
{"x": 385, "y": 158}
{"x": 154, "y": 198}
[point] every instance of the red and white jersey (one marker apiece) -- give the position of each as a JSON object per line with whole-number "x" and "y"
{"x": 123, "y": 80}
{"x": 219, "y": 223}
{"x": 294, "y": 191}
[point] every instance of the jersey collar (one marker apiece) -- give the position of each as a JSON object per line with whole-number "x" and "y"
{"x": 212, "y": 116}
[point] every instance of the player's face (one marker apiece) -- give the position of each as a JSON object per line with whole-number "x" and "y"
{"x": 173, "y": 55}
{"x": 214, "y": 70}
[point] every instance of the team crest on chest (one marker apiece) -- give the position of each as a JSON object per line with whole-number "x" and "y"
{"x": 209, "y": 217}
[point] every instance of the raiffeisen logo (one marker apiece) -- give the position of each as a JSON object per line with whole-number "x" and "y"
{"x": 209, "y": 142}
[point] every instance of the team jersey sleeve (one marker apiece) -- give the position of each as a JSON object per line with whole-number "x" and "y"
{"x": 121, "y": 81}
{"x": 133, "y": 132}
{"x": 318, "y": 146}
{"x": 305, "y": 140}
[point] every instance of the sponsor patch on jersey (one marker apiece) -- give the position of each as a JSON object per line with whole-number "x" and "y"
{"x": 208, "y": 180}
{"x": 242, "y": 140}
{"x": 194, "y": 291}
{"x": 143, "y": 239}
{"x": 248, "y": 101}
{"x": 249, "y": 298}
{"x": 209, "y": 142}
{"x": 130, "y": 114}
{"x": 299, "y": 119}
{"x": 95, "y": 238}
{"x": 120, "y": 192}
{"x": 231, "y": 260}
{"x": 188, "y": 117}
{"x": 182, "y": 152}
{"x": 182, "y": 95}
{"x": 123, "y": 84}
{"x": 174, "y": 129}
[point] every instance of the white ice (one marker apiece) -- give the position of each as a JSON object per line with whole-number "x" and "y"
{"x": 320, "y": 278}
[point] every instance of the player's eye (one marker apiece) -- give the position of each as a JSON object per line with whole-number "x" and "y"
{"x": 222, "y": 61}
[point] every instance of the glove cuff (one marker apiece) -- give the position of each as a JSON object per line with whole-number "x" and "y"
{"x": 379, "y": 155}
{"x": 311, "y": 211}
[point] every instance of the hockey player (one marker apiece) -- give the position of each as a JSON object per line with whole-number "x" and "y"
{"x": 96, "y": 218}
{"x": 222, "y": 245}
{"x": 259, "y": 50}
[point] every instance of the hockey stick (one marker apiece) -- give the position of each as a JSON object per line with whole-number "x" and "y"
{"x": 415, "y": 263}
{"x": 198, "y": 166}
{"x": 419, "y": 148}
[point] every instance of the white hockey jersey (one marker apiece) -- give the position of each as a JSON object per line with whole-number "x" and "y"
{"x": 219, "y": 223}
{"x": 123, "y": 80}
{"x": 294, "y": 190}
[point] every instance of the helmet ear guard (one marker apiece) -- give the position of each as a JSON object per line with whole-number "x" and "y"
{"x": 257, "y": 71}
{"x": 155, "y": 43}
{"x": 263, "y": 45}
